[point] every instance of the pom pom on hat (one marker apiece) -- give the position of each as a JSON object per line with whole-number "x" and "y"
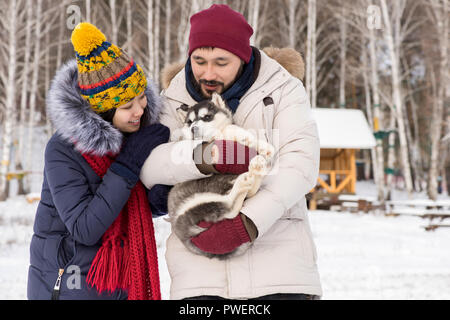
{"x": 86, "y": 37}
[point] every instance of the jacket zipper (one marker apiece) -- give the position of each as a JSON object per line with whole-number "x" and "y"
{"x": 56, "y": 288}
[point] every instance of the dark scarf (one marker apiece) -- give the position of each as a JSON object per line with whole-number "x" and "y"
{"x": 234, "y": 93}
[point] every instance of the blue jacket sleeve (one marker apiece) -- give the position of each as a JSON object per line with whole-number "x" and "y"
{"x": 87, "y": 215}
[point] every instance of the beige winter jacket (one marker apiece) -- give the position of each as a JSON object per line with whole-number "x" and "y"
{"x": 283, "y": 257}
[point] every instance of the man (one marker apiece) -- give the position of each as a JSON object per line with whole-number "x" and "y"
{"x": 281, "y": 263}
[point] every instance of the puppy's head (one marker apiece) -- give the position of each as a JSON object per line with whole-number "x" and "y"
{"x": 205, "y": 119}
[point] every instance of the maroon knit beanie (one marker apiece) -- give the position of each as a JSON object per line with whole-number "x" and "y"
{"x": 221, "y": 27}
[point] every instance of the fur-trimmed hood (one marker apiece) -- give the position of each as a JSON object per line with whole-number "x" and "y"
{"x": 289, "y": 58}
{"x": 75, "y": 121}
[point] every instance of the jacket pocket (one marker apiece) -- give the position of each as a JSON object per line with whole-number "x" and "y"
{"x": 65, "y": 251}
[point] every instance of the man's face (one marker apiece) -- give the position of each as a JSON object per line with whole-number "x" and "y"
{"x": 215, "y": 70}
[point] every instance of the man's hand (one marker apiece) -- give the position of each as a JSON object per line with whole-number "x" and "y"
{"x": 223, "y": 156}
{"x": 222, "y": 237}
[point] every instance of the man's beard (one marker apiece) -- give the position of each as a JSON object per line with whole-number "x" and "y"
{"x": 220, "y": 87}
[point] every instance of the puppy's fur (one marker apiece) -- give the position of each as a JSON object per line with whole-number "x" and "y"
{"x": 220, "y": 196}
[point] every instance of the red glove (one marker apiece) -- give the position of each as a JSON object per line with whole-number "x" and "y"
{"x": 234, "y": 157}
{"x": 221, "y": 237}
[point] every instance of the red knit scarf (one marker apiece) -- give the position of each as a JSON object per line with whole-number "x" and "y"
{"x": 127, "y": 258}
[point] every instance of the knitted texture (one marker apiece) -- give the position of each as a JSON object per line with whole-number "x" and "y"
{"x": 127, "y": 258}
{"x": 221, "y": 237}
{"x": 221, "y": 27}
{"x": 234, "y": 158}
{"x": 107, "y": 77}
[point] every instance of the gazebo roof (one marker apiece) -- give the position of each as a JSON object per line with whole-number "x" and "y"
{"x": 343, "y": 128}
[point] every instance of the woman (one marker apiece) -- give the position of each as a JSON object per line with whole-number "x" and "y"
{"x": 93, "y": 225}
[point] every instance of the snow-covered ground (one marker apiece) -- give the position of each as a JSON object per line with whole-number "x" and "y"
{"x": 360, "y": 256}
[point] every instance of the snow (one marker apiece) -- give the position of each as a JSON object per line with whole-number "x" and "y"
{"x": 360, "y": 256}
{"x": 343, "y": 128}
{"x": 364, "y": 256}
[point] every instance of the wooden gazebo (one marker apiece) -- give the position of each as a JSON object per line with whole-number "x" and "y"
{"x": 341, "y": 132}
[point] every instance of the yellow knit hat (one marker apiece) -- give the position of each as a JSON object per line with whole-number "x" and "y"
{"x": 107, "y": 77}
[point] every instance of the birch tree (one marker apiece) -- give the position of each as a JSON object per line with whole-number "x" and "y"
{"x": 114, "y": 24}
{"x": 129, "y": 43}
{"x": 157, "y": 40}
{"x": 343, "y": 56}
{"x": 19, "y": 165}
{"x": 377, "y": 123}
{"x": 311, "y": 71}
{"x": 253, "y": 18}
{"x": 439, "y": 15}
{"x": 34, "y": 90}
{"x": 10, "y": 98}
{"x": 393, "y": 41}
{"x": 167, "y": 32}
{"x": 151, "y": 52}
{"x": 88, "y": 10}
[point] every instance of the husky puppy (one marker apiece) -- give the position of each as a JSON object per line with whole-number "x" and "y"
{"x": 220, "y": 196}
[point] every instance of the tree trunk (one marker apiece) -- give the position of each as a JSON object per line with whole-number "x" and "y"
{"x": 373, "y": 153}
{"x": 151, "y": 51}
{"x": 292, "y": 23}
{"x": 48, "y": 124}
{"x": 377, "y": 119}
{"x": 391, "y": 157}
{"x": 253, "y": 19}
{"x": 129, "y": 28}
{"x": 20, "y": 154}
{"x": 438, "y": 105}
{"x": 88, "y": 10}
{"x": 308, "y": 51}
{"x": 311, "y": 88}
{"x": 62, "y": 16}
{"x": 157, "y": 53}
{"x": 114, "y": 26}
{"x": 34, "y": 92}
{"x": 393, "y": 48}
{"x": 167, "y": 36}
{"x": 343, "y": 56}
{"x": 314, "y": 56}
{"x": 10, "y": 101}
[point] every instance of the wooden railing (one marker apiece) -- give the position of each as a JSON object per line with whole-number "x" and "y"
{"x": 347, "y": 180}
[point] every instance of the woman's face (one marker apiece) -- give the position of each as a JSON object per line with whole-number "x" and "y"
{"x": 128, "y": 116}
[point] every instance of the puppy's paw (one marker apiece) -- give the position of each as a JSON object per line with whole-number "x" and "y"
{"x": 258, "y": 166}
{"x": 266, "y": 150}
{"x": 245, "y": 181}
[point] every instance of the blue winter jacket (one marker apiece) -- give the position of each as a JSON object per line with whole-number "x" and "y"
{"x": 76, "y": 206}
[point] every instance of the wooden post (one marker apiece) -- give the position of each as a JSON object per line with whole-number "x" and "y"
{"x": 353, "y": 170}
{"x": 333, "y": 180}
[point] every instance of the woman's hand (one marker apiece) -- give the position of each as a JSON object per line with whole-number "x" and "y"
{"x": 137, "y": 148}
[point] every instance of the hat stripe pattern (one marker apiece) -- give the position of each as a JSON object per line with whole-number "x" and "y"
{"x": 110, "y": 82}
{"x": 104, "y": 55}
{"x": 107, "y": 77}
{"x": 105, "y": 46}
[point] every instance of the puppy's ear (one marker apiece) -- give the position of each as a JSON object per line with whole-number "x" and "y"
{"x": 217, "y": 100}
{"x": 182, "y": 112}
{"x": 184, "y": 107}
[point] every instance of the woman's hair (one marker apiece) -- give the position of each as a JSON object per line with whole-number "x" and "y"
{"x": 108, "y": 115}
